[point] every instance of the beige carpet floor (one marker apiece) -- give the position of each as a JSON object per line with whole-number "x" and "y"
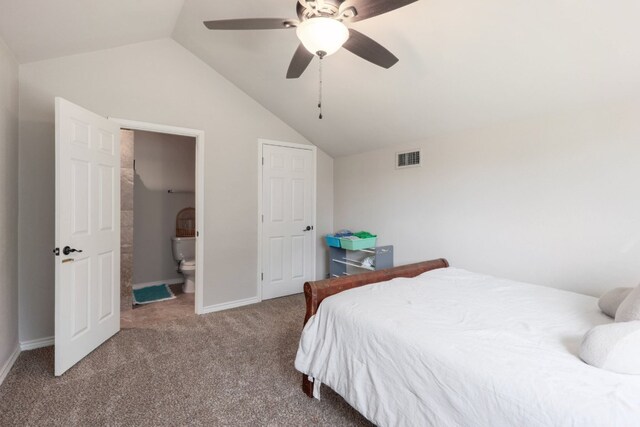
{"x": 222, "y": 369}
{"x": 147, "y": 315}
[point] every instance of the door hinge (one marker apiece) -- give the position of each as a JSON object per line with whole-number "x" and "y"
{"x": 262, "y": 218}
{"x": 56, "y": 251}
{"x": 261, "y": 276}
{"x": 197, "y": 234}
{"x": 263, "y": 161}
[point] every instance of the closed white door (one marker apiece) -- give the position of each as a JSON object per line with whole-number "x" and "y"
{"x": 87, "y": 300}
{"x": 288, "y": 232}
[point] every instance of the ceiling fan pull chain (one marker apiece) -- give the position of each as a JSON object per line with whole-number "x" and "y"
{"x": 320, "y": 90}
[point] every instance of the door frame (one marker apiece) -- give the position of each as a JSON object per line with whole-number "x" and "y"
{"x": 200, "y": 228}
{"x": 314, "y": 155}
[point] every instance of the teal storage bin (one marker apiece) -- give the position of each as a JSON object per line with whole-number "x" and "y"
{"x": 357, "y": 244}
{"x": 332, "y": 241}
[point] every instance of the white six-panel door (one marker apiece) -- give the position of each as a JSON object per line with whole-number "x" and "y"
{"x": 87, "y": 288}
{"x": 288, "y": 185}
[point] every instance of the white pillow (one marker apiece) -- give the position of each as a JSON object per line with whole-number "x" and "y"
{"x": 629, "y": 309}
{"x": 610, "y": 301}
{"x": 614, "y": 347}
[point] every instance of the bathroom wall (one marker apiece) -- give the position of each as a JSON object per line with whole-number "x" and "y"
{"x": 162, "y": 162}
{"x": 9, "y": 348}
{"x": 126, "y": 218}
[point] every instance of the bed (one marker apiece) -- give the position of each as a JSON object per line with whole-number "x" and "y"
{"x": 425, "y": 344}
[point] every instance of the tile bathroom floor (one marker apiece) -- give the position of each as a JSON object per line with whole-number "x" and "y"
{"x": 142, "y": 316}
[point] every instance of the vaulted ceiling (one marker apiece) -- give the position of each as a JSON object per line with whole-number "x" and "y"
{"x": 463, "y": 64}
{"x": 43, "y": 29}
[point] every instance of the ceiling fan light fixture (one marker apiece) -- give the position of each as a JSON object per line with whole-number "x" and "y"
{"x": 322, "y": 34}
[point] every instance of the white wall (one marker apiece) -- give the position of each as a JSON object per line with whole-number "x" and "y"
{"x": 163, "y": 162}
{"x": 553, "y": 201}
{"x": 8, "y": 206}
{"x": 324, "y": 212}
{"x": 158, "y": 82}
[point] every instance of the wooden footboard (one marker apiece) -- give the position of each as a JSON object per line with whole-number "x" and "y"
{"x": 317, "y": 291}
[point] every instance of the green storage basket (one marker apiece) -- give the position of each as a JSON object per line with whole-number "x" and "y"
{"x": 355, "y": 245}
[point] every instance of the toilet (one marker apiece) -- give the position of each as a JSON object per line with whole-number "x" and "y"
{"x": 184, "y": 252}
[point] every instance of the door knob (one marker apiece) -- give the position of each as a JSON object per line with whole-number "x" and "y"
{"x": 309, "y": 228}
{"x": 67, "y": 250}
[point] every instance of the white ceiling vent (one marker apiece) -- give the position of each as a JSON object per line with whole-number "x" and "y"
{"x": 408, "y": 159}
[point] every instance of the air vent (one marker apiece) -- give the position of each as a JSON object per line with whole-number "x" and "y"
{"x": 408, "y": 159}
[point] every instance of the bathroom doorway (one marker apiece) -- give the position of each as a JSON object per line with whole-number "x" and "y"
{"x": 162, "y": 198}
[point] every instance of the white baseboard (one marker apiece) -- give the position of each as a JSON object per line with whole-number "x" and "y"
{"x": 4, "y": 370}
{"x": 160, "y": 282}
{"x": 37, "y": 343}
{"x": 228, "y": 305}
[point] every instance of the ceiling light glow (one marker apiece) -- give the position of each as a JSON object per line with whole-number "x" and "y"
{"x": 325, "y": 35}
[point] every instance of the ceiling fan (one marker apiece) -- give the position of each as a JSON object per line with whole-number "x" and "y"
{"x": 322, "y": 31}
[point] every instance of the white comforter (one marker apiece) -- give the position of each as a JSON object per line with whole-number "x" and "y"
{"x": 452, "y": 347}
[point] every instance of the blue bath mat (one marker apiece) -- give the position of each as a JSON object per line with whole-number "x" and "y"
{"x": 151, "y": 294}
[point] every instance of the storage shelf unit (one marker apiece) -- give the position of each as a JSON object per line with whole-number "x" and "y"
{"x": 340, "y": 259}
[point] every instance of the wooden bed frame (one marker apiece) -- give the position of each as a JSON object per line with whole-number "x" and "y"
{"x": 318, "y": 290}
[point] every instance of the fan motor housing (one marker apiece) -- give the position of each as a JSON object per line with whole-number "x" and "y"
{"x": 307, "y": 9}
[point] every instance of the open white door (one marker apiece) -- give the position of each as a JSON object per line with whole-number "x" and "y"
{"x": 288, "y": 205}
{"x": 87, "y": 302}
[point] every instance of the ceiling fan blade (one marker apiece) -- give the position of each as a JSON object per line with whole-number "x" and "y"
{"x": 369, "y": 8}
{"x": 299, "y": 62}
{"x": 369, "y": 49}
{"x": 251, "y": 24}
